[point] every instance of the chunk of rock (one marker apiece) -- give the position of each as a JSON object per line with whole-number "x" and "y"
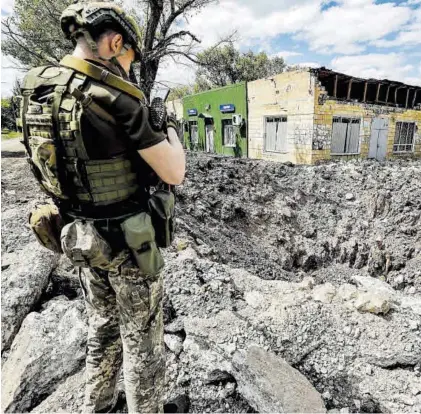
{"x": 373, "y": 303}
{"x": 174, "y": 343}
{"x": 49, "y": 347}
{"x": 374, "y": 285}
{"x": 67, "y": 398}
{"x": 22, "y": 286}
{"x": 269, "y": 384}
{"x": 347, "y": 292}
{"x": 64, "y": 280}
{"x": 324, "y": 293}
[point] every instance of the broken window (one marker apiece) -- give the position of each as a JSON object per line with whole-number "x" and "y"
{"x": 404, "y": 137}
{"x": 345, "y": 135}
{"x": 276, "y": 134}
{"x": 228, "y": 135}
{"x": 194, "y": 133}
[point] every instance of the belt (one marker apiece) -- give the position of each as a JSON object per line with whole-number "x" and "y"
{"x": 103, "y": 221}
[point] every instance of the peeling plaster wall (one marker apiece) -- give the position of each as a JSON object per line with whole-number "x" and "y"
{"x": 288, "y": 94}
{"x": 325, "y": 110}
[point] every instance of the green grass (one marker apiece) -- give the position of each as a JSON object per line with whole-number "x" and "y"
{"x": 10, "y": 135}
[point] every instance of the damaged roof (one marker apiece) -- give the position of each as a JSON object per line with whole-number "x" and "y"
{"x": 381, "y": 92}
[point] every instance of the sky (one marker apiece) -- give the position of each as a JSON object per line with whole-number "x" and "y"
{"x": 363, "y": 38}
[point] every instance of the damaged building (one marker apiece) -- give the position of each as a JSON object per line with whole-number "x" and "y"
{"x": 367, "y": 118}
{"x": 308, "y": 115}
{"x": 214, "y": 121}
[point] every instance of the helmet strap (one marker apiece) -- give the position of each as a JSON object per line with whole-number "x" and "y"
{"x": 120, "y": 68}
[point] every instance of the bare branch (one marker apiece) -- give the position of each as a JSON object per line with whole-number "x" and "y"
{"x": 161, "y": 48}
{"x": 184, "y": 54}
{"x": 183, "y": 8}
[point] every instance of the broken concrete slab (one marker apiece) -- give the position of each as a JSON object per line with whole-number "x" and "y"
{"x": 271, "y": 385}
{"x": 67, "y": 398}
{"x": 49, "y": 347}
{"x": 22, "y": 286}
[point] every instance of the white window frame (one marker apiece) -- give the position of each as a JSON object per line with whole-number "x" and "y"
{"x": 194, "y": 125}
{"x": 398, "y": 129}
{"x": 225, "y": 125}
{"x": 353, "y": 120}
{"x": 284, "y": 118}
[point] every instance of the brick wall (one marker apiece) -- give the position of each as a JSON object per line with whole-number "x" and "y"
{"x": 325, "y": 110}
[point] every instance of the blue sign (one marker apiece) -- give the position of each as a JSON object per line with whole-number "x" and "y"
{"x": 192, "y": 112}
{"x": 227, "y": 108}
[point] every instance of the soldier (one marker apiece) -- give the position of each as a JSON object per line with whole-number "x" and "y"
{"x": 96, "y": 148}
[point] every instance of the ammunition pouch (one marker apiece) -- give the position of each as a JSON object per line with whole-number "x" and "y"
{"x": 47, "y": 223}
{"x": 84, "y": 246}
{"x": 162, "y": 210}
{"x": 139, "y": 234}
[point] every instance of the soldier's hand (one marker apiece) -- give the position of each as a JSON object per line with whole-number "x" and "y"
{"x": 172, "y": 122}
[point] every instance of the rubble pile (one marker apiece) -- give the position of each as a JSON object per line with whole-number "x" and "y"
{"x": 281, "y": 221}
{"x": 283, "y": 281}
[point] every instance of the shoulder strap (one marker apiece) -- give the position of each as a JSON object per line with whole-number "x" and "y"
{"x": 101, "y": 75}
{"x": 25, "y": 132}
{"x": 55, "y": 109}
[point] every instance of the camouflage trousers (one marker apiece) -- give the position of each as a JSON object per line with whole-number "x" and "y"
{"x": 125, "y": 329}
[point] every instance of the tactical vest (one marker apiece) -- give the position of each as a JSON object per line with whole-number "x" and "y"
{"x": 51, "y": 108}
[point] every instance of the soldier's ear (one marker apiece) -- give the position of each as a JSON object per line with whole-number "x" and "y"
{"x": 117, "y": 43}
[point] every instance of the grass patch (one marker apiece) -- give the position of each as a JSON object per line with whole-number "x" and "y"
{"x": 10, "y": 135}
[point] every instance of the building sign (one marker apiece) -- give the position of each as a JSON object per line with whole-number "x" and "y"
{"x": 227, "y": 108}
{"x": 192, "y": 112}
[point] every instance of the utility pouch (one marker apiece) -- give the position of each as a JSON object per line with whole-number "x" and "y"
{"x": 162, "y": 208}
{"x": 47, "y": 223}
{"x": 139, "y": 234}
{"x": 84, "y": 246}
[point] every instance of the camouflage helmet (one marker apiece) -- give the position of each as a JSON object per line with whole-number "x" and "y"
{"x": 88, "y": 17}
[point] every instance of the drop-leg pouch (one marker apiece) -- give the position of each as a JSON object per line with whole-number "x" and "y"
{"x": 47, "y": 223}
{"x": 139, "y": 234}
{"x": 162, "y": 206}
{"x": 84, "y": 246}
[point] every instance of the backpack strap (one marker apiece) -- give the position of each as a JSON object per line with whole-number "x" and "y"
{"x": 102, "y": 75}
{"x": 60, "y": 161}
{"x": 25, "y": 102}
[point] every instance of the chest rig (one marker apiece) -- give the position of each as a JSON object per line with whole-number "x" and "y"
{"x": 53, "y": 102}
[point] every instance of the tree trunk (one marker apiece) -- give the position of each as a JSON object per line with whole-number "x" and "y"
{"x": 148, "y": 72}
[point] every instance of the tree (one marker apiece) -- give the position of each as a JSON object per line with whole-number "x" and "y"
{"x": 8, "y": 116}
{"x": 180, "y": 91}
{"x": 225, "y": 65}
{"x": 32, "y": 35}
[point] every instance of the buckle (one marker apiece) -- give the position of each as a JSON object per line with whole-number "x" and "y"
{"x": 104, "y": 75}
